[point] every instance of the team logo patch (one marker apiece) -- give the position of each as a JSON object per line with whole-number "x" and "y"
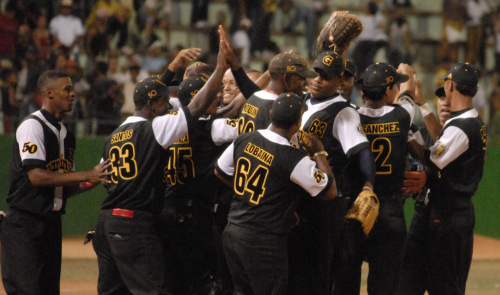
{"x": 173, "y": 113}
{"x": 232, "y": 122}
{"x": 30, "y": 148}
{"x": 152, "y": 93}
{"x": 291, "y": 68}
{"x": 360, "y": 129}
{"x": 327, "y": 60}
{"x": 319, "y": 176}
{"x": 439, "y": 150}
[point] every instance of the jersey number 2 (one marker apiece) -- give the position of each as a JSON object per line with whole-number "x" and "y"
{"x": 381, "y": 147}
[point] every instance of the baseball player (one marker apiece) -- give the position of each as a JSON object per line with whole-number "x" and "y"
{"x": 454, "y": 169}
{"x": 186, "y": 221}
{"x": 42, "y": 179}
{"x": 288, "y": 74}
{"x": 386, "y": 126}
{"x": 330, "y": 117}
{"x": 266, "y": 172}
{"x": 127, "y": 244}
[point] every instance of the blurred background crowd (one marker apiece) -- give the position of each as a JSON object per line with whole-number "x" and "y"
{"x": 107, "y": 46}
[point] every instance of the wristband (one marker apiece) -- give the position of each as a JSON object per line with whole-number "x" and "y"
{"x": 365, "y": 188}
{"x": 425, "y": 109}
{"x": 323, "y": 153}
{"x": 87, "y": 185}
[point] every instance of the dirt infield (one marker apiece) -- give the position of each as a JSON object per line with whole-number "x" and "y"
{"x": 483, "y": 279}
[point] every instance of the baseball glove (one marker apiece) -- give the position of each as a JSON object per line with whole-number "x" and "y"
{"x": 338, "y": 32}
{"x": 413, "y": 182}
{"x": 365, "y": 210}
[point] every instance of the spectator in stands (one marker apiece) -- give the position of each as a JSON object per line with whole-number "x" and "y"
{"x": 8, "y": 31}
{"x": 67, "y": 28}
{"x": 199, "y": 13}
{"x": 117, "y": 19}
{"x": 372, "y": 38}
{"x": 96, "y": 39}
{"x": 108, "y": 100}
{"x": 477, "y": 16}
{"x": 241, "y": 41}
{"x": 43, "y": 39}
{"x": 309, "y": 12}
{"x": 399, "y": 47}
{"x": 454, "y": 15}
{"x": 129, "y": 84}
{"x": 32, "y": 67}
{"x": 154, "y": 62}
{"x": 155, "y": 14}
{"x": 10, "y": 106}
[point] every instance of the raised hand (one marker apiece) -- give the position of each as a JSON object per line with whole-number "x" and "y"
{"x": 184, "y": 58}
{"x": 228, "y": 50}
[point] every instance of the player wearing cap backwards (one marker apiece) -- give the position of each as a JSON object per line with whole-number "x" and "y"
{"x": 330, "y": 117}
{"x": 127, "y": 244}
{"x": 267, "y": 171}
{"x": 386, "y": 125}
{"x": 454, "y": 168}
{"x": 186, "y": 221}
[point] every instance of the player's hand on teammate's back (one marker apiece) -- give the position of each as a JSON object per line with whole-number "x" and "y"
{"x": 184, "y": 58}
{"x": 100, "y": 172}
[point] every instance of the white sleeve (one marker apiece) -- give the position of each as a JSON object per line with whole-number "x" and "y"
{"x": 170, "y": 127}
{"x": 347, "y": 129}
{"x": 309, "y": 177}
{"x": 408, "y": 104}
{"x": 78, "y": 27}
{"x": 30, "y": 138}
{"x": 224, "y": 130}
{"x": 449, "y": 146}
{"x": 226, "y": 161}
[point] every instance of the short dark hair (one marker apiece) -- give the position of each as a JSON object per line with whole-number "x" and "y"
{"x": 49, "y": 76}
{"x": 375, "y": 93}
{"x": 466, "y": 90}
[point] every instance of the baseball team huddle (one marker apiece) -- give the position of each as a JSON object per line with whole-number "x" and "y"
{"x": 287, "y": 188}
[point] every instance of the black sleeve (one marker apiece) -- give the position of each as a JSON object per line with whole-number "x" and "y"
{"x": 366, "y": 164}
{"x": 167, "y": 77}
{"x": 246, "y": 86}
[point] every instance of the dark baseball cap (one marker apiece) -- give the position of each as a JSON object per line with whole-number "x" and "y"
{"x": 287, "y": 109}
{"x": 330, "y": 63}
{"x": 290, "y": 63}
{"x": 148, "y": 89}
{"x": 461, "y": 73}
{"x": 380, "y": 75}
{"x": 189, "y": 87}
{"x": 350, "y": 69}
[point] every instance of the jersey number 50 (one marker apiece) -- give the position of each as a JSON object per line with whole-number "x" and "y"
{"x": 254, "y": 183}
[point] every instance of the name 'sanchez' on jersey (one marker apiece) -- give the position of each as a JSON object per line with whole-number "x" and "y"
{"x": 382, "y": 128}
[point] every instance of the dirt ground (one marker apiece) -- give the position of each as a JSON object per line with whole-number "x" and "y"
{"x": 484, "y": 248}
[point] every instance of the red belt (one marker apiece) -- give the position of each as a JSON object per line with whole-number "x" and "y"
{"x": 123, "y": 213}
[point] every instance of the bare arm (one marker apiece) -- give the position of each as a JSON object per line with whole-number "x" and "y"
{"x": 42, "y": 177}
{"x": 181, "y": 60}
{"x": 431, "y": 122}
{"x": 207, "y": 94}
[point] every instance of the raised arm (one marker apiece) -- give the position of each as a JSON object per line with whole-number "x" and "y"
{"x": 181, "y": 60}
{"x": 202, "y": 100}
{"x": 431, "y": 122}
